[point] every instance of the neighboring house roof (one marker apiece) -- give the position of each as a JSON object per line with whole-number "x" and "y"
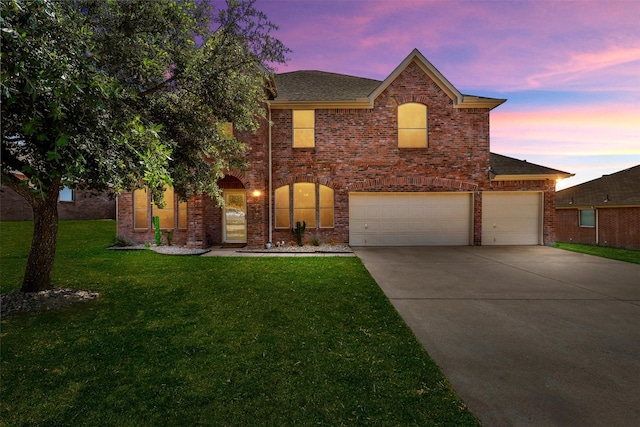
{"x": 618, "y": 189}
{"x": 318, "y": 89}
{"x": 505, "y": 168}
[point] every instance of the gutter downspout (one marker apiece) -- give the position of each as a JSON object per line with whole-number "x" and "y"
{"x": 270, "y": 216}
{"x": 595, "y": 214}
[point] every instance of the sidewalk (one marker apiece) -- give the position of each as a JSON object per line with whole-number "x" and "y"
{"x": 235, "y": 252}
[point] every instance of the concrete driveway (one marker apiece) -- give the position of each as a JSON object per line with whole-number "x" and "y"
{"x": 528, "y": 336}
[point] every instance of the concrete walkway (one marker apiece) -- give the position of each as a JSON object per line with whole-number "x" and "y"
{"x": 528, "y": 336}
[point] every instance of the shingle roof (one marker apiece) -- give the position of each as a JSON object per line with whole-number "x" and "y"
{"x": 331, "y": 90}
{"x": 322, "y": 86}
{"x": 503, "y": 165}
{"x": 619, "y": 189}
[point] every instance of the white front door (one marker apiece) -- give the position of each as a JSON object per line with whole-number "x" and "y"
{"x": 234, "y": 216}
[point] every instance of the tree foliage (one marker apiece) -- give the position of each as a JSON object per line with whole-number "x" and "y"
{"x": 113, "y": 94}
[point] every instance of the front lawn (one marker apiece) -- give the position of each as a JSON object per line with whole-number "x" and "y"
{"x": 211, "y": 341}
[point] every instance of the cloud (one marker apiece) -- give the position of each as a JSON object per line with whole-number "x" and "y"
{"x": 591, "y": 64}
{"x": 570, "y": 68}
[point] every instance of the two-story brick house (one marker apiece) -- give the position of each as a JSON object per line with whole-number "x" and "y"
{"x": 404, "y": 161}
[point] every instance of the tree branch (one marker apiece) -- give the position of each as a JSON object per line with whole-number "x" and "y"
{"x": 159, "y": 86}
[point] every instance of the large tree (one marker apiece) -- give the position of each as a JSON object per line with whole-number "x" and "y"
{"x": 110, "y": 95}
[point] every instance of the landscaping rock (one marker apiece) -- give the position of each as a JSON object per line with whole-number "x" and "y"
{"x": 51, "y": 299}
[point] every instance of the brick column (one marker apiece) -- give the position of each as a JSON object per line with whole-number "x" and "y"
{"x": 477, "y": 218}
{"x": 196, "y": 236}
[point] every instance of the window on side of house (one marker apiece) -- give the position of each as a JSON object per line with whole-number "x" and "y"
{"x": 326, "y": 207}
{"x": 412, "y": 125}
{"x": 282, "y": 207}
{"x": 303, "y": 128}
{"x": 587, "y": 217}
{"x": 140, "y": 210}
{"x": 66, "y": 194}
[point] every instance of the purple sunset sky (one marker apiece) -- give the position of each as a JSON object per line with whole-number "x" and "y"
{"x": 569, "y": 69}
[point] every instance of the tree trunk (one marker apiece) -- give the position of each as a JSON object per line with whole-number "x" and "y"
{"x": 37, "y": 276}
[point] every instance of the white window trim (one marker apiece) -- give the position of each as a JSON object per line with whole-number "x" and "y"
{"x": 71, "y": 191}
{"x": 580, "y": 224}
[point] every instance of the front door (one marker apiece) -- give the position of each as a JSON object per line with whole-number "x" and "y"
{"x": 234, "y": 218}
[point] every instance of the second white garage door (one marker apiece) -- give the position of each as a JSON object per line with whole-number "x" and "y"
{"x": 410, "y": 219}
{"x": 511, "y": 218}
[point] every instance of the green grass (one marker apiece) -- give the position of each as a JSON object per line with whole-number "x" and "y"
{"x": 211, "y": 341}
{"x": 619, "y": 254}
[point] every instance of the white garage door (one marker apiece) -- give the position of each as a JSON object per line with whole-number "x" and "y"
{"x": 409, "y": 219}
{"x": 511, "y": 218}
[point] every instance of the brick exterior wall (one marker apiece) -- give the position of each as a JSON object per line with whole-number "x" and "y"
{"x": 617, "y": 227}
{"x": 13, "y": 207}
{"x": 86, "y": 205}
{"x": 356, "y": 150}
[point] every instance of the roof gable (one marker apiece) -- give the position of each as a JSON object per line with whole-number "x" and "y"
{"x": 618, "y": 189}
{"x": 459, "y": 100}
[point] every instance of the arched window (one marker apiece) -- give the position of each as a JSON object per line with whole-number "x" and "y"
{"x": 304, "y": 203}
{"x": 282, "y": 207}
{"x": 412, "y": 125}
{"x": 172, "y": 216}
{"x": 312, "y": 204}
{"x": 326, "y": 206}
{"x": 140, "y": 209}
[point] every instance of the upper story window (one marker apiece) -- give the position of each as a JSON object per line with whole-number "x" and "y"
{"x": 412, "y": 125}
{"x": 304, "y": 128}
{"x": 172, "y": 215}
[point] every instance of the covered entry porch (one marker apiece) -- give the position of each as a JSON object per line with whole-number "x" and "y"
{"x": 240, "y": 222}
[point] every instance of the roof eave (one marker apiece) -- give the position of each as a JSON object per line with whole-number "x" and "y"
{"x": 532, "y": 177}
{"x": 479, "y": 102}
{"x": 597, "y": 205}
{"x": 361, "y": 103}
